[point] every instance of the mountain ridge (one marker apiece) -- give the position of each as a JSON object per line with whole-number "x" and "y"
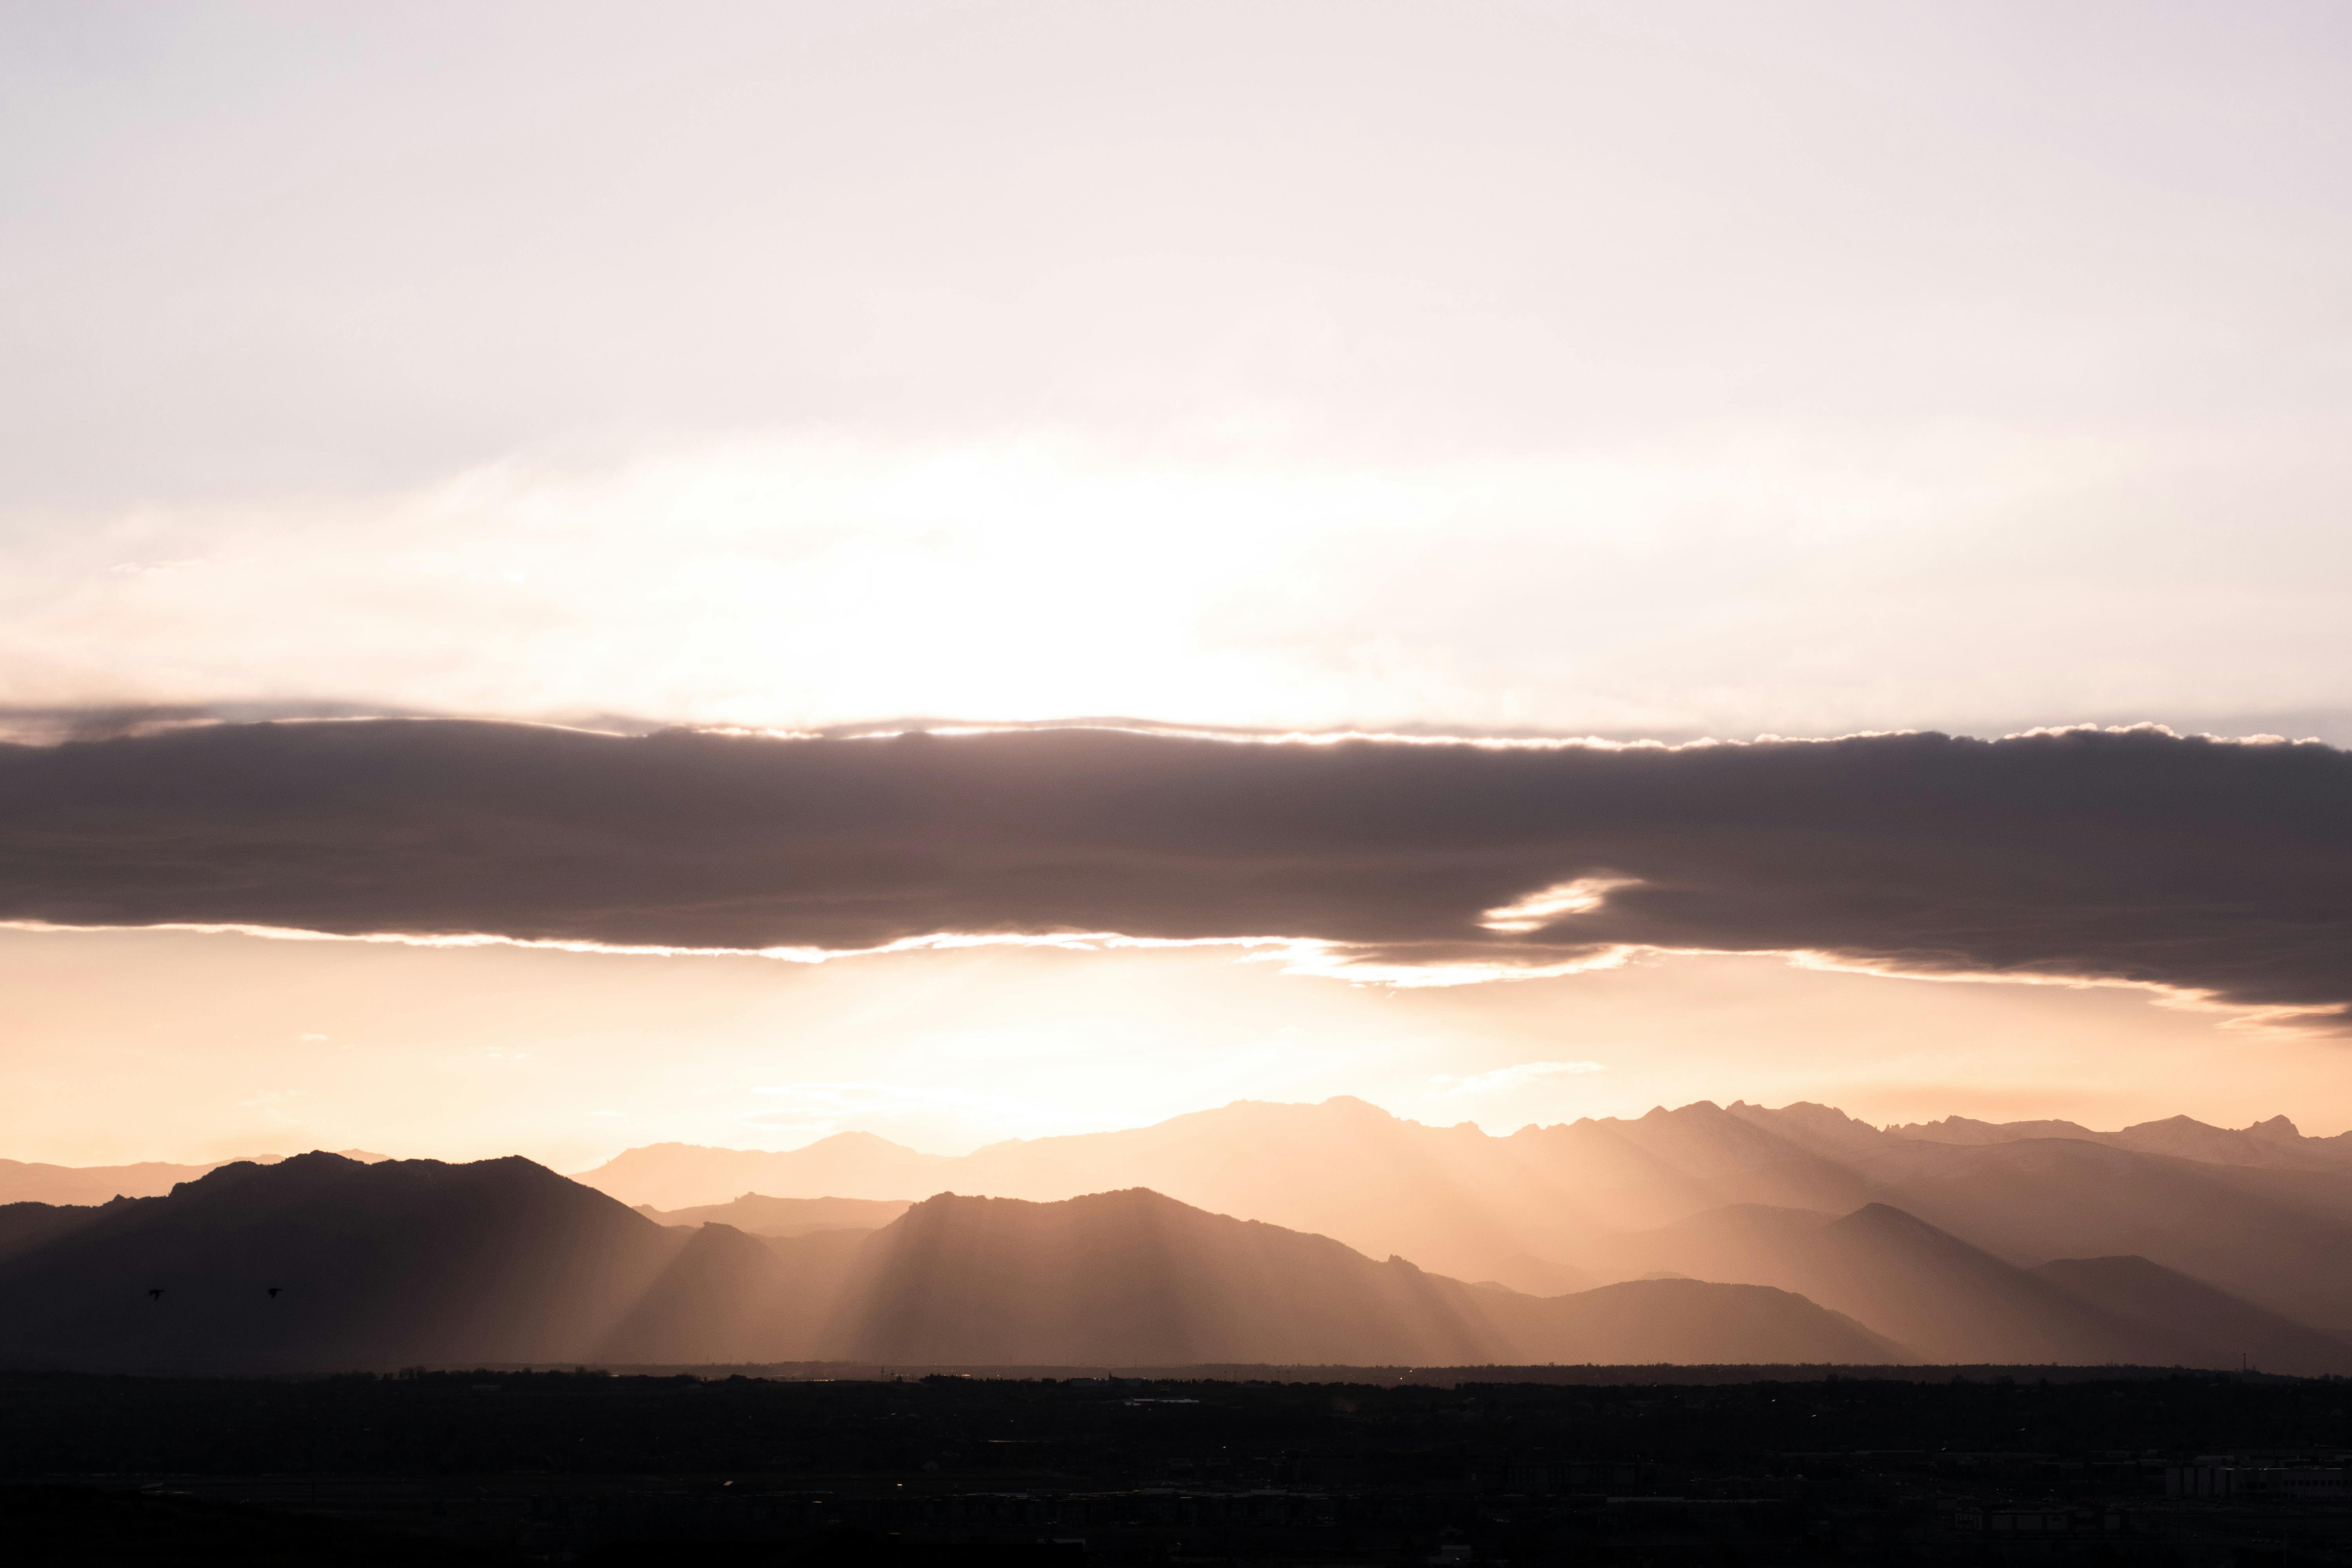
{"x": 35, "y": 1182}
{"x": 387, "y": 1263}
{"x": 320, "y": 1263}
{"x": 1535, "y": 1205}
{"x": 1547, "y": 1208}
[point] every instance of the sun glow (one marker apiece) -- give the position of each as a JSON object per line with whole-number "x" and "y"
{"x": 788, "y": 585}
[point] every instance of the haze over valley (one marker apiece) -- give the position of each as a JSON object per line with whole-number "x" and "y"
{"x": 1271, "y": 1233}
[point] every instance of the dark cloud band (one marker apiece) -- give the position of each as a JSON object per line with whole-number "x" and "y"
{"x": 2138, "y": 855}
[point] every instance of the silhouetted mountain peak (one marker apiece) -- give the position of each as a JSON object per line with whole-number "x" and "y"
{"x": 318, "y": 1162}
{"x": 2172, "y": 1125}
{"x": 382, "y": 1264}
{"x": 316, "y": 1169}
{"x": 1822, "y": 1129}
{"x": 1699, "y": 1113}
{"x": 321, "y": 1182}
{"x": 1968, "y": 1130}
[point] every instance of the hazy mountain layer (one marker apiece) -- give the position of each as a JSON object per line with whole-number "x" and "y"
{"x": 2135, "y": 1288}
{"x": 672, "y": 1176}
{"x": 2279, "y": 1237}
{"x": 1133, "y": 1278}
{"x": 38, "y": 1184}
{"x": 1950, "y": 1301}
{"x": 785, "y": 1216}
{"x": 2276, "y": 1143}
{"x": 1452, "y": 1199}
{"x": 1551, "y": 1210}
{"x": 414, "y": 1261}
{"x": 1539, "y": 1208}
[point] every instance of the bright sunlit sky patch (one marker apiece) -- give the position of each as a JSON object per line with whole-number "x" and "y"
{"x": 132, "y": 1045}
{"x": 1661, "y": 369}
{"x": 1570, "y": 367}
{"x": 1735, "y": 582}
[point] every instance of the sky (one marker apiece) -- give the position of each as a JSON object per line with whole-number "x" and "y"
{"x": 1673, "y": 373}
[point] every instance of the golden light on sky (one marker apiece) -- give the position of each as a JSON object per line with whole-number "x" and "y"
{"x": 226, "y": 1044}
{"x": 1643, "y": 373}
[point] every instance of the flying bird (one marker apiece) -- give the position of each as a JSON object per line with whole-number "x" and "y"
{"x": 274, "y": 1290}
{"x": 156, "y": 1294}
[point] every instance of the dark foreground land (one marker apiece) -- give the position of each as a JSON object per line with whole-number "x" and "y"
{"x": 510, "y": 1468}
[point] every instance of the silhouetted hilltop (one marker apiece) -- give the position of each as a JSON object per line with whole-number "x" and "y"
{"x": 1135, "y": 1278}
{"x": 503, "y": 1261}
{"x": 378, "y": 1265}
{"x": 1646, "y": 1321}
{"x": 723, "y": 1296}
{"x": 1544, "y": 1206}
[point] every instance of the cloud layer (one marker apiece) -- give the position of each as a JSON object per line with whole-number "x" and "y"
{"x": 2139, "y": 857}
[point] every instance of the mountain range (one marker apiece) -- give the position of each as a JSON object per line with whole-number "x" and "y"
{"x": 2261, "y": 1212}
{"x": 1245, "y": 1235}
{"x": 22, "y": 1181}
{"x": 320, "y": 1262}
{"x": 763, "y": 1216}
